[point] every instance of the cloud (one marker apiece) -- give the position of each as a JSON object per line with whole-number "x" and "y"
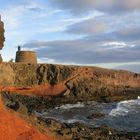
{"x": 115, "y": 24}
{"x": 131, "y": 4}
{"x": 87, "y": 27}
{"x": 83, "y": 6}
{"x": 109, "y": 39}
{"x": 114, "y": 45}
{"x": 129, "y": 34}
{"x": 82, "y": 52}
{"x": 14, "y": 15}
{"x": 33, "y": 6}
{"x": 11, "y": 16}
{"x": 80, "y": 19}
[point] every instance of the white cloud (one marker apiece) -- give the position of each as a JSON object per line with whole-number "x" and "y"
{"x": 11, "y": 17}
{"x": 114, "y": 45}
{"x": 88, "y": 16}
{"x": 117, "y": 45}
{"x": 33, "y": 6}
{"x": 84, "y": 6}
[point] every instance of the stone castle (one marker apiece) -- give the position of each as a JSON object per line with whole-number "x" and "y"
{"x": 21, "y": 56}
{"x": 26, "y": 56}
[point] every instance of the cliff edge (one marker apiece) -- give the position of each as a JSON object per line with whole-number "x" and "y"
{"x": 29, "y": 88}
{"x": 71, "y": 81}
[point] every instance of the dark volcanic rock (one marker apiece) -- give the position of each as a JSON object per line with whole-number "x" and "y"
{"x": 26, "y": 105}
{"x": 78, "y": 131}
{"x": 96, "y": 115}
{"x": 2, "y": 39}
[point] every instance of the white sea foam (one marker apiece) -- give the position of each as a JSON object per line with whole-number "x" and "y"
{"x": 73, "y": 121}
{"x": 125, "y": 107}
{"x": 70, "y": 106}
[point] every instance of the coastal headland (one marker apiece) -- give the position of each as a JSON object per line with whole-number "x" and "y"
{"x": 26, "y": 88}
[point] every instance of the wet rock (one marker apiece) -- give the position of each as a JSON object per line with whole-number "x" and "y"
{"x": 66, "y": 131}
{"x": 76, "y": 131}
{"x": 13, "y": 105}
{"x": 96, "y": 115}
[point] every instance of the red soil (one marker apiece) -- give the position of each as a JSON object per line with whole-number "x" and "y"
{"x": 42, "y": 90}
{"x": 14, "y": 128}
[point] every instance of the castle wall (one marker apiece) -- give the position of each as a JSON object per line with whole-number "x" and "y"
{"x": 26, "y": 57}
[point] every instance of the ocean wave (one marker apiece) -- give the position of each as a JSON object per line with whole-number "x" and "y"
{"x": 122, "y": 116}
{"x": 70, "y": 106}
{"x": 126, "y": 107}
{"x": 70, "y": 121}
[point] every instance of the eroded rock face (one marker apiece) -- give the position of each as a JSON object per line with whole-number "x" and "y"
{"x": 2, "y": 39}
{"x": 72, "y": 82}
{"x": 0, "y": 58}
{"x": 7, "y": 74}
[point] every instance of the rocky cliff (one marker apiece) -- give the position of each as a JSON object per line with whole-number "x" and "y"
{"x": 27, "y": 88}
{"x": 1, "y": 34}
{"x": 71, "y": 81}
{"x": 2, "y": 39}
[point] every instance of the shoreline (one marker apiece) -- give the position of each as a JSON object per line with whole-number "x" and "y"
{"x": 62, "y": 131}
{"x": 13, "y": 127}
{"x": 29, "y": 87}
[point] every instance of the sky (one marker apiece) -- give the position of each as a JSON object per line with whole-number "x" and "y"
{"x": 103, "y": 33}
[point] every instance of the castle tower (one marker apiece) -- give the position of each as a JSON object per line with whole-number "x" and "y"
{"x": 29, "y": 57}
{"x": 2, "y": 38}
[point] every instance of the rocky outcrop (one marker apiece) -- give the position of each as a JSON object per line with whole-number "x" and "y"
{"x": 76, "y": 82}
{"x": 2, "y": 39}
{"x": 37, "y": 74}
{"x": 16, "y": 74}
{"x": 66, "y": 84}
{"x": 25, "y": 105}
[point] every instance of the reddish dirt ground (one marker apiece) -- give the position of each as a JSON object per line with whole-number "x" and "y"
{"x": 14, "y": 128}
{"x": 42, "y": 90}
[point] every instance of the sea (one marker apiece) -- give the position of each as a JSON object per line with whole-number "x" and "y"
{"x": 122, "y": 116}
